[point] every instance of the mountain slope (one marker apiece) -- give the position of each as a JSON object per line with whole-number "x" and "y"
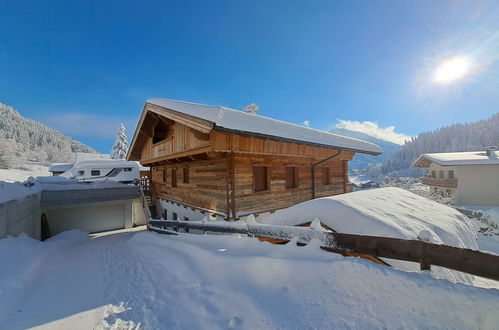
{"x": 458, "y": 137}
{"x": 22, "y": 139}
{"x": 362, "y": 161}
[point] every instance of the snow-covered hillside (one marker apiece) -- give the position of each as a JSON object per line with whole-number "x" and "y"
{"x": 22, "y": 139}
{"x": 150, "y": 281}
{"x": 362, "y": 161}
{"x": 459, "y": 137}
{"x": 24, "y": 171}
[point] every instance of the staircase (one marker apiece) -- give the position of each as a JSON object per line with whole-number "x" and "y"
{"x": 149, "y": 203}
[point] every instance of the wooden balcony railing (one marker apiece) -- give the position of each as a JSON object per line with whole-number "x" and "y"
{"x": 444, "y": 183}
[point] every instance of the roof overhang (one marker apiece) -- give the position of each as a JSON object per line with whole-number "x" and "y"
{"x": 206, "y": 126}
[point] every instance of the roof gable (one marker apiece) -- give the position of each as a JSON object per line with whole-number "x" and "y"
{"x": 206, "y": 118}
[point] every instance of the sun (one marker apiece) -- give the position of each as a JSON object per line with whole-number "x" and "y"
{"x": 452, "y": 70}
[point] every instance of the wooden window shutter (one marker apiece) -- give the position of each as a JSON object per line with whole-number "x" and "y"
{"x": 291, "y": 177}
{"x": 326, "y": 177}
{"x": 259, "y": 178}
{"x": 174, "y": 177}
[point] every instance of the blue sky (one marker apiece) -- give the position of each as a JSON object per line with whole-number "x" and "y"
{"x": 82, "y": 67}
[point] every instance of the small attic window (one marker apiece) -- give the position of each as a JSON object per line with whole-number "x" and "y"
{"x": 160, "y": 132}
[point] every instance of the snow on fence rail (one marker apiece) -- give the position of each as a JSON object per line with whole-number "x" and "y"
{"x": 464, "y": 260}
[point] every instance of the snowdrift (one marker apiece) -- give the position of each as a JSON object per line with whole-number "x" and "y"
{"x": 388, "y": 212}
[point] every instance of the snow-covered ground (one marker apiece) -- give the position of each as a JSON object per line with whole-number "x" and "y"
{"x": 151, "y": 281}
{"x": 29, "y": 169}
{"x": 388, "y": 212}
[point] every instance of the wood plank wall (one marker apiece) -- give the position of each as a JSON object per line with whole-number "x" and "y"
{"x": 206, "y": 187}
{"x": 277, "y": 194}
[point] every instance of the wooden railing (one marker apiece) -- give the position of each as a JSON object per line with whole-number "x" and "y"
{"x": 426, "y": 254}
{"x": 444, "y": 183}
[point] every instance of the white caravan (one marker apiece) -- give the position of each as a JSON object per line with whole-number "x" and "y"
{"x": 104, "y": 169}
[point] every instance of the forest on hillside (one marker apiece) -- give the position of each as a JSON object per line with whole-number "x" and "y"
{"x": 472, "y": 136}
{"x": 24, "y": 139}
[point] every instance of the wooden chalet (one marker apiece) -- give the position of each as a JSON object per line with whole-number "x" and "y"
{"x": 231, "y": 163}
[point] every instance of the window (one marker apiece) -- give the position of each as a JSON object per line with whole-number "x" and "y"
{"x": 326, "y": 177}
{"x": 164, "y": 175}
{"x": 259, "y": 178}
{"x": 95, "y": 172}
{"x": 127, "y": 169}
{"x": 186, "y": 175}
{"x": 433, "y": 174}
{"x": 451, "y": 174}
{"x": 291, "y": 177}
{"x": 160, "y": 132}
{"x": 449, "y": 192}
{"x": 81, "y": 173}
{"x": 174, "y": 177}
{"x": 165, "y": 214}
{"x": 441, "y": 174}
{"x": 175, "y": 216}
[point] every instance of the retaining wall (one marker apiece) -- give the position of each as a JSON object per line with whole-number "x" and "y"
{"x": 21, "y": 216}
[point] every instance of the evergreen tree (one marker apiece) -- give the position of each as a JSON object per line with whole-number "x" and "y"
{"x": 120, "y": 147}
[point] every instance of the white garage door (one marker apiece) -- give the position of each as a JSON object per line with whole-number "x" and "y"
{"x": 91, "y": 219}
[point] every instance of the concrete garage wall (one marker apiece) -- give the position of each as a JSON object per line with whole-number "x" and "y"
{"x": 21, "y": 216}
{"x": 121, "y": 205}
{"x": 94, "y": 216}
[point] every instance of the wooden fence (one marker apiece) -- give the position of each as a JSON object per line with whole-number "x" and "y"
{"x": 465, "y": 260}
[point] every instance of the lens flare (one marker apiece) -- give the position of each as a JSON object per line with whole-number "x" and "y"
{"x": 452, "y": 70}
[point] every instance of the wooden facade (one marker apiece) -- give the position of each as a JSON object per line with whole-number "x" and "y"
{"x": 232, "y": 173}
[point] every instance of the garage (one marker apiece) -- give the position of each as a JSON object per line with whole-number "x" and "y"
{"x": 94, "y": 218}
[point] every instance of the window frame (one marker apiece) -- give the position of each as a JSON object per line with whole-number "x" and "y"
{"x": 441, "y": 174}
{"x": 185, "y": 175}
{"x": 451, "y": 176}
{"x": 174, "y": 177}
{"x": 328, "y": 171}
{"x": 295, "y": 177}
{"x": 266, "y": 180}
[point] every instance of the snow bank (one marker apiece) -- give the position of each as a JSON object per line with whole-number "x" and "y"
{"x": 151, "y": 281}
{"x": 22, "y": 259}
{"x": 229, "y": 281}
{"x": 387, "y": 212}
{"x": 18, "y": 190}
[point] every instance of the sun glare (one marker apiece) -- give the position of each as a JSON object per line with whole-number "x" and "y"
{"x": 452, "y": 70}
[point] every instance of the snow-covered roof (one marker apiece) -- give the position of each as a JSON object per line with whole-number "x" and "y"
{"x": 227, "y": 119}
{"x": 60, "y": 167}
{"x": 458, "y": 158}
{"x": 106, "y": 162}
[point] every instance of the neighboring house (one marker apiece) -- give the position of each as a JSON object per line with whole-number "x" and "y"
{"x": 230, "y": 163}
{"x": 471, "y": 178}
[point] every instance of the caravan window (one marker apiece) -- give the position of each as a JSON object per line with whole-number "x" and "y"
{"x": 81, "y": 173}
{"x": 128, "y": 169}
{"x": 95, "y": 173}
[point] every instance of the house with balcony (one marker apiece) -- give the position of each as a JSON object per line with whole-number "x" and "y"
{"x": 228, "y": 163}
{"x": 470, "y": 178}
